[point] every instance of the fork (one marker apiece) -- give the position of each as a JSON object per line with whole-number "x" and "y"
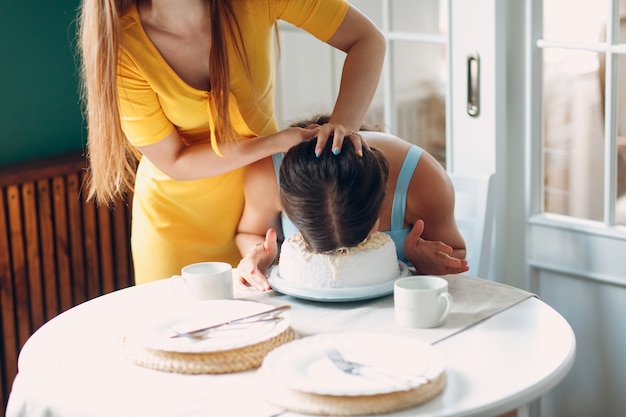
{"x": 356, "y": 368}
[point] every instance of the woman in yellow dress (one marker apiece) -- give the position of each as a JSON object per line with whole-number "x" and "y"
{"x": 187, "y": 90}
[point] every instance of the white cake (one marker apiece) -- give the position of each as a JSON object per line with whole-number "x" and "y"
{"x": 372, "y": 262}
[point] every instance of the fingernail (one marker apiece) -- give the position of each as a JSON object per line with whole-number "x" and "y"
{"x": 317, "y": 153}
{"x": 359, "y": 153}
{"x": 336, "y": 151}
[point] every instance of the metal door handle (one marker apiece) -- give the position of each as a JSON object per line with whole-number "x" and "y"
{"x": 473, "y": 84}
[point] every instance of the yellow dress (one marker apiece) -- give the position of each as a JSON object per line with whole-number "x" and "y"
{"x": 175, "y": 223}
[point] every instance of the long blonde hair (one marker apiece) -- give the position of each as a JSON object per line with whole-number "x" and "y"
{"x": 112, "y": 159}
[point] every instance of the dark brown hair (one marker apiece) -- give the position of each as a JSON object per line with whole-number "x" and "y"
{"x": 334, "y": 200}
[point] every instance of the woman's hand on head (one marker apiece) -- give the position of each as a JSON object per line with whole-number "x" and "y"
{"x": 431, "y": 257}
{"x": 338, "y": 132}
{"x": 291, "y": 136}
{"x": 253, "y": 266}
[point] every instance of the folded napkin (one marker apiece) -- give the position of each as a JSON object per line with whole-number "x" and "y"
{"x": 475, "y": 300}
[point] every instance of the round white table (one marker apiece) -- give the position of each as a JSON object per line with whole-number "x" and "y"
{"x": 74, "y": 365}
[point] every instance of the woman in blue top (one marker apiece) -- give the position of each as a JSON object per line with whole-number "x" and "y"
{"x": 338, "y": 200}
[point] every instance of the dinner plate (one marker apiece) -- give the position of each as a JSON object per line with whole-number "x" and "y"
{"x": 335, "y": 294}
{"x": 303, "y": 364}
{"x": 155, "y": 330}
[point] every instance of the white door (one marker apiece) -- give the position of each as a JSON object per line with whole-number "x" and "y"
{"x": 476, "y": 102}
{"x": 477, "y": 118}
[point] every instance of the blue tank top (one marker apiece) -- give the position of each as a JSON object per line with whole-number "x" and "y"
{"x": 398, "y": 209}
{"x": 289, "y": 228}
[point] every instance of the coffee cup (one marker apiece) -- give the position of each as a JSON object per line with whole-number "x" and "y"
{"x": 205, "y": 281}
{"x": 421, "y": 301}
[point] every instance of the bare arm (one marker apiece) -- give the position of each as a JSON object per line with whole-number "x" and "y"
{"x": 435, "y": 245}
{"x": 256, "y": 234}
{"x": 365, "y": 47}
{"x": 182, "y": 162}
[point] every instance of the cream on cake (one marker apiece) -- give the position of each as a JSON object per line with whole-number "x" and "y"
{"x": 373, "y": 261}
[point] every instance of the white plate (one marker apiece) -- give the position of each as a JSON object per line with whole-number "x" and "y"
{"x": 335, "y": 294}
{"x": 302, "y": 365}
{"x": 155, "y": 331}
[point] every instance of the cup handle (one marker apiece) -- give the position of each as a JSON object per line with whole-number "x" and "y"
{"x": 177, "y": 285}
{"x": 446, "y": 298}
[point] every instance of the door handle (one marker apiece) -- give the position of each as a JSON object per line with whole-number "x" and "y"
{"x": 473, "y": 84}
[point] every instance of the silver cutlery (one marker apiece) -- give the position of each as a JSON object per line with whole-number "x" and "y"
{"x": 202, "y": 333}
{"x": 356, "y": 368}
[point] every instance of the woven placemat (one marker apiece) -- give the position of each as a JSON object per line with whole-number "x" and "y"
{"x": 220, "y": 362}
{"x": 329, "y": 405}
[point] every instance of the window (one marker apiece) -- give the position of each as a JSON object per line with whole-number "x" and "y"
{"x": 410, "y": 100}
{"x": 584, "y": 92}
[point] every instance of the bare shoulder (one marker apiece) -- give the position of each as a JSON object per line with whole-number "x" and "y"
{"x": 261, "y": 185}
{"x": 430, "y": 188}
{"x": 381, "y": 138}
{"x": 432, "y": 179}
{"x": 431, "y": 194}
{"x": 392, "y": 146}
{"x": 261, "y": 168}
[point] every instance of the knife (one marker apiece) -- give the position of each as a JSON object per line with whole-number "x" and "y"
{"x": 195, "y": 333}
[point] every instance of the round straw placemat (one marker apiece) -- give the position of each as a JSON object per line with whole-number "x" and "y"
{"x": 330, "y": 405}
{"x": 220, "y": 362}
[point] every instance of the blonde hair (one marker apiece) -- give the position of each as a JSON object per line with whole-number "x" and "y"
{"x": 112, "y": 159}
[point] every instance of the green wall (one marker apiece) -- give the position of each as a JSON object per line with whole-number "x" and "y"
{"x": 40, "y": 112}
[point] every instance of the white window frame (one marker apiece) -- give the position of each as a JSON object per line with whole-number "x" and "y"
{"x": 601, "y": 244}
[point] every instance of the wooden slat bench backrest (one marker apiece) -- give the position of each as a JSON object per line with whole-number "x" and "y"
{"x": 56, "y": 249}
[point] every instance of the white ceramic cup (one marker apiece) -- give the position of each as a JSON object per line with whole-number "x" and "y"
{"x": 421, "y": 301}
{"x": 205, "y": 281}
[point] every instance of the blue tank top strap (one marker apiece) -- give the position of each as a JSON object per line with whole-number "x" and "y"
{"x": 277, "y": 158}
{"x": 398, "y": 209}
{"x": 288, "y": 227}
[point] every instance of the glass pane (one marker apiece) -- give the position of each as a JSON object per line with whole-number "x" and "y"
{"x": 574, "y": 20}
{"x": 297, "y": 98}
{"x": 415, "y": 16}
{"x": 370, "y": 8}
{"x": 420, "y": 82}
{"x": 573, "y": 134}
{"x": 420, "y": 95}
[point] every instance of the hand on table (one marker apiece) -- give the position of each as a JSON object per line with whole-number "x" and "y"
{"x": 253, "y": 266}
{"x": 431, "y": 257}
